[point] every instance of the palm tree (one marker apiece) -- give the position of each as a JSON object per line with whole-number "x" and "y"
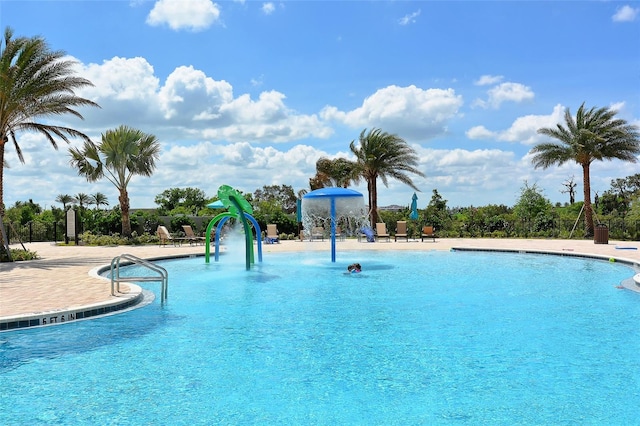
{"x": 338, "y": 172}
{"x": 82, "y": 200}
{"x": 36, "y": 83}
{"x": 383, "y": 155}
{"x": 99, "y": 199}
{"x": 121, "y": 154}
{"x": 64, "y": 199}
{"x": 594, "y": 134}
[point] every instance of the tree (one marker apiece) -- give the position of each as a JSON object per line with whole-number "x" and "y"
{"x": 383, "y": 155}
{"x": 594, "y": 134}
{"x": 82, "y": 199}
{"x": 531, "y": 203}
{"x": 338, "y": 172}
{"x": 121, "y": 154}
{"x": 36, "y": 83}
{"x": 281, "y": 195}
{"x": 192, "y": 199}
{"x": 64, "y": 199}
{"x": 570, "y": 186}
{"x": 99, "y": 199}
{"x": 436, "y": 213}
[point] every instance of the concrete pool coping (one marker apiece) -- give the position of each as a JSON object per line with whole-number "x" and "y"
{"x": 64, "y": 280}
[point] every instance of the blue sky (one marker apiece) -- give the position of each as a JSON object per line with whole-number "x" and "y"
{"x": 249, "y": 93}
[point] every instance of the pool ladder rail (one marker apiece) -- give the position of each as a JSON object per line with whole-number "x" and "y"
{"x": 116, "y": 279}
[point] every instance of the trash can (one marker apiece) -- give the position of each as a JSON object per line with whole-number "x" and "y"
{"x": 601, "y": 234}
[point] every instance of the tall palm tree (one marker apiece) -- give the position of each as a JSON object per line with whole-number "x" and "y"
{"x": 64, "y": 199}
{"x": 337, "y": 172}
{"x": 593, "y": 134}
{"x": 383, "y": 155}
{"x": 121, "y": 154}
{"x": 36, "y": 83}
{"x": 99, "y": 199}
{"x": 82, "y": 199}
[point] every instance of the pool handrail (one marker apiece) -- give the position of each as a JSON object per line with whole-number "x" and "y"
{"x": 117, "y": 279}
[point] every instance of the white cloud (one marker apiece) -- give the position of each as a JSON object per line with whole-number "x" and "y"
{"x": 190, "y": 94}
{"x": 268, "y": 8}
{"x": 625, "y": 13}
{"x": 192, "y": 15}
{"x": 486, "y": 80}
{"x": 192, "y": 103}
{"x": 420, "y": 114}
{"x": 523, "y": 130}
{"x": 410, "y": 18}
{"x": 505, "y": 92}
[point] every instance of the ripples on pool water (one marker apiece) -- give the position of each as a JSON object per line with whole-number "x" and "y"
{"x": 416, "y": 338}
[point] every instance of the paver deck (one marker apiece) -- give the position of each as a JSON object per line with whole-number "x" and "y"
{"x": 62, "y": 279}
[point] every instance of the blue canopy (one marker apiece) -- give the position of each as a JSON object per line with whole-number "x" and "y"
{"x": 332, "y": 192}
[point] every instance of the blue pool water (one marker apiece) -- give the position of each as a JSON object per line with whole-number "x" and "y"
{"x": 416, "y": 338}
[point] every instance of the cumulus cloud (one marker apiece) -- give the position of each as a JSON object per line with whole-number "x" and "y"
{"x": 194, "y": 15}
{"x": 523, "y": 130}
{"x": 486, "y": 80}
{"x": 410, "y": 18}
{"x": 420, "y": 113}
{"x": 625, "y": 13}
{"x": 505, "y": 92}
{"x": 192, "y": 103}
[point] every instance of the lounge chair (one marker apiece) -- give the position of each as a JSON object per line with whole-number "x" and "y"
{"x": 381, "y": 231}
{"x": 428, "y": 232}
{"x": 317, "y": 233}
{"x": 340, "y": 236}
{"x": 401, "y": 230}
{"x": 165, "y": 236}
{"x": 272, "y": 234}
{"x": 191, "y": 236}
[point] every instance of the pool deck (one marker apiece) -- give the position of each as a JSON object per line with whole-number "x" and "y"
{"x": 64, "y": 280}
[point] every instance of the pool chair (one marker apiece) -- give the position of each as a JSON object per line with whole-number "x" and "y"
{"x": 428, "y": 232}
{"x": 340, "y": 235}
{"x": 317, "y": 233}
{"x": 165, "y": 237}
{"x": 191, "y": 236}
{"x": 381, "y": 231}
{"x": 272, "y": 234}
{"x": 401, "y": 230}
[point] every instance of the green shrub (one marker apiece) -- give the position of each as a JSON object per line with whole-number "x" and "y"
{"x": 18, "y": 255}
{"x": 91, "y": 239}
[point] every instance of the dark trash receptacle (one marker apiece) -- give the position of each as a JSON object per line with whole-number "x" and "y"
{"x": 601, "y": 234}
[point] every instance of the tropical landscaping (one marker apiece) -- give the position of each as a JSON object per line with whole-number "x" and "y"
{"x": 37, "y": 83}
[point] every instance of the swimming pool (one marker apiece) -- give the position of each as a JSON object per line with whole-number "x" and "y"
{"x": 416, "y": 338}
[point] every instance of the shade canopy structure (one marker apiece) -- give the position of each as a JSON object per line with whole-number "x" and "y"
{"x": 330, "y": 206}
{"x": 216, "y": 205}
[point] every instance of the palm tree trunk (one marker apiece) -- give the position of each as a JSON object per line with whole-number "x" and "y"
{"x": 124, "y": 210}
{"x": 373, "y": 198}
{"x": 3, "y": 233}
{"x": 588, "y": 211}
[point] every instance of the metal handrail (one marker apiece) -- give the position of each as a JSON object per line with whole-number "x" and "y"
{"x": 116, "y": 279}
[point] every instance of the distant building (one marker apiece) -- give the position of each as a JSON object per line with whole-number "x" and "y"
{"x": 392, "y": 208}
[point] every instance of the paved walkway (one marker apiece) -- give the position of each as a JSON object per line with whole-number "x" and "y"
{"x": 62, "y": 279}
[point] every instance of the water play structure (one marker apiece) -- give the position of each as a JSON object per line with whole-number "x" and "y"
{"x": 333, "y": 206}
{"x": 237, "y": 208}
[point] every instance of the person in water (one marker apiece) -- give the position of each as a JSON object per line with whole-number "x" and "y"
{"x": 354, "y": 267}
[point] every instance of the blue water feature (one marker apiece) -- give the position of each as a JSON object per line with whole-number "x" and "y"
{"x": 415, "y": 338}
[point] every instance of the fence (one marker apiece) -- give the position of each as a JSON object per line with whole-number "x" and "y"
{"x": 34, "y": 232}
